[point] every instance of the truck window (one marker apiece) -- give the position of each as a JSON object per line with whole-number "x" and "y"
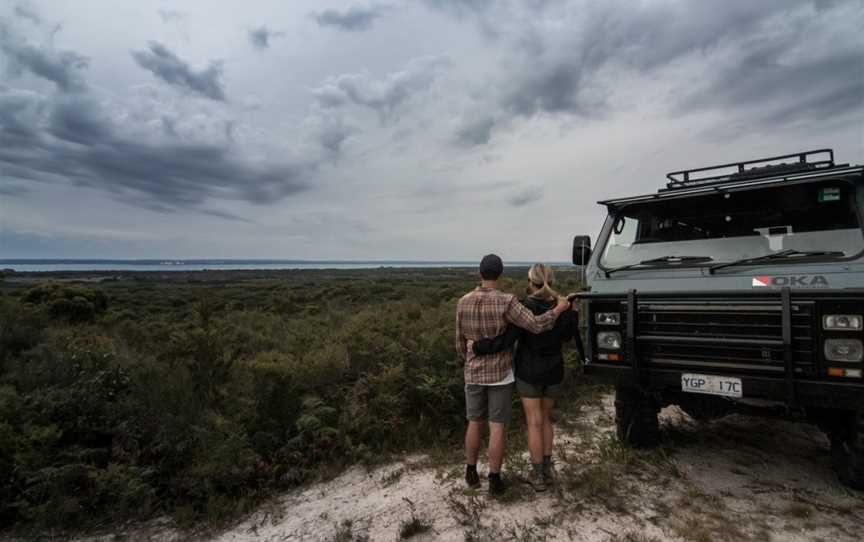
{"x": 728, "y": 226}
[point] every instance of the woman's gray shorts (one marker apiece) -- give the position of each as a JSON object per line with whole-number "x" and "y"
{"x": 492, "y": 403}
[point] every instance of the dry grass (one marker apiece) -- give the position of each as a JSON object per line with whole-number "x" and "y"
{"x": 633, "y": 536}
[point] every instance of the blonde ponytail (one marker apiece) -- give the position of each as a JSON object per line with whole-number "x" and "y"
{"x": 541, "y": 277}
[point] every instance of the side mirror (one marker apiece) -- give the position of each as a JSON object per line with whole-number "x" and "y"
{"x": 581, "y": 250}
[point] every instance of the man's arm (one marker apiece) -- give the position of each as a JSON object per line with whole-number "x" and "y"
{"x": 496, "y": 344}
{"x": 519, "y": 315}
{"x": 569, "y": 322}
{"x": 461, "y": 347}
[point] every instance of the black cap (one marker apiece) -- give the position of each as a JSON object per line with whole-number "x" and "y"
{"x": 491, "y": 267}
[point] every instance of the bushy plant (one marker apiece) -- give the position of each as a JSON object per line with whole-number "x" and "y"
{"x": 72, "y": 303}
{"x": 21, "y": 327}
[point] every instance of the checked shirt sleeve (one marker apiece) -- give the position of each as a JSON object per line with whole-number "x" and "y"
{"x": 461, "y": 345}
{"x": 519, "y": 315}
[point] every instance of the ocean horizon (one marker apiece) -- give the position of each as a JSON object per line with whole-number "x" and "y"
{"x": 169, "y": 264}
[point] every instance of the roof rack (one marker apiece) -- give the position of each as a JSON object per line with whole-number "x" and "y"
{"x": 805, "y": 162}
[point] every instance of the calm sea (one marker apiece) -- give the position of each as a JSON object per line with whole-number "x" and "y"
{"x": 199, "y": 265}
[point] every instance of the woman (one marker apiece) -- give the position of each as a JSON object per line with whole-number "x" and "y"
{"x": 539, "y": 368}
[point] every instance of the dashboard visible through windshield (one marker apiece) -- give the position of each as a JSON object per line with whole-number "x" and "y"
{"x": 727, "y": 226}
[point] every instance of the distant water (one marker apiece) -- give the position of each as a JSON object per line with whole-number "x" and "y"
{"x": 200, "y": 265}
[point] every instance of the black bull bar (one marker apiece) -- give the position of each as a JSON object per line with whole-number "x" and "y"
{"x": 639, "y": 372}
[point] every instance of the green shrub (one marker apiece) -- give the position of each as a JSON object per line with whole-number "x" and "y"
{"x": 71, "y": 303}
{"x": 21, "y": 328}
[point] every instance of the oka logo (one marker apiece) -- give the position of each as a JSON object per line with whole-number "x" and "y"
{"x": 793, "y": 281}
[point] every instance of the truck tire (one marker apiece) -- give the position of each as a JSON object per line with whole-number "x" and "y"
{"x": 847, "y": 453}
{"x": 636, "y": 417}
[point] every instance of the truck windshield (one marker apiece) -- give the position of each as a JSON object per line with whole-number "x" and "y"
{"x": 730, "y": 226}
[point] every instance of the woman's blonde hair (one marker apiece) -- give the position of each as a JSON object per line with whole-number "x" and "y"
{"x": 541, "y": 278}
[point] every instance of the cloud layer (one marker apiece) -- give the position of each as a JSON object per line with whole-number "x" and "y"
{"x": 390, "y": 129}
{"x": 58, "y": 66}
{"x": 567, "y": 57}
{"x": 260, "y": 37}
{"x": 168, "y": 67}
{"x": 355, "y": 18}
{"x": 70, "y": 139}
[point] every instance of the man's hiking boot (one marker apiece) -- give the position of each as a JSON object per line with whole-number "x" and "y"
{"x": 472, "y": 478}
{"x": 537, "y": 479}
{"x": 497, "y": 486}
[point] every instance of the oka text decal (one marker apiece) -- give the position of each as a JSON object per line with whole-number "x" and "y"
{"x": 793, "y": 281}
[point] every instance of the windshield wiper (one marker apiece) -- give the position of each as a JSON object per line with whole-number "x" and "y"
{"x": 661, "y": 259}
{"x": 777, "y": 256}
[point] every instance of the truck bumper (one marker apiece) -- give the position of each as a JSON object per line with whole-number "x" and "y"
{"x": 808, "y": 393}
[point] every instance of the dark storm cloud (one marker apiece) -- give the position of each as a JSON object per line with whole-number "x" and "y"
{"x": 563, "y": 57}
{"x": 784, "y": 90}
{"x": 169, "y": 126}
{"x": 225, "y": 215}
{"x": 20, "y": 112}
{"x": 640, "y": 37}
{"x": 25, "y": 11}
{"x": 74, "y": 142}
{"x": 332, "y": 135}
{"x": 12, "y": 190}
{"x": 476, "y": 132}
{"x": 384, "y": 95}
{"x": 58, "y": 66}
{"x": 526, "y": 196}
{"x": 260, "y": 37}
{"x": 168, "y": 67}
{"x": 78, "y": 120}
{"x": 354, "y": 19}
{"x": 552, "y": 89}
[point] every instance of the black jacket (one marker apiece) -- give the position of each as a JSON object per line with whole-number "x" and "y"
{"x": 538, "y": 359}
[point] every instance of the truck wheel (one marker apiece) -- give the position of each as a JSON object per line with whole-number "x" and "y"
{"x": 636, "y": 417}
{"x": 847, "y": 454}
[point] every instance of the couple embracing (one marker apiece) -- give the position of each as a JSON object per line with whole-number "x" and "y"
{"x": 488, "y": 324}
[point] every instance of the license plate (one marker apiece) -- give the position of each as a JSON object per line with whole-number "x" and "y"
{"x": 727, "y": 386}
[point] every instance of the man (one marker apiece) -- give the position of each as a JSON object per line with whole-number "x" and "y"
{"x": 483, "y": 313}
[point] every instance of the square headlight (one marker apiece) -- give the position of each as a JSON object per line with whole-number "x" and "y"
{"x": 849, "y": 350}
{"x": 609, "y": 340}
{"x": 842, "y": 322}
{"x": 608, "y": 318}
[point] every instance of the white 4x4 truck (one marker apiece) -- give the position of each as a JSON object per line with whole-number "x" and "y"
{"x": 739, "y": 286}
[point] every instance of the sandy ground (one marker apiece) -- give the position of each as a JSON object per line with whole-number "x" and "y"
{"x": 738, "y": 478}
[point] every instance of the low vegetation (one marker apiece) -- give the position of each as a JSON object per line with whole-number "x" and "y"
{"x": 415, "y": 524}
{"x": 198, "y": 397}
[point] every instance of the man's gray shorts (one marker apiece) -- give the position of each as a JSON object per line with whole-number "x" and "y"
{"x": 492, "y": 403}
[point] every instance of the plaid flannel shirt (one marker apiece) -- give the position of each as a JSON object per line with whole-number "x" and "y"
{"x": 484, "y": 313}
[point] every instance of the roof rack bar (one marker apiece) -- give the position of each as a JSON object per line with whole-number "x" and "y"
{"x": 684, "y": 178}
{"x": 735, "y": 184}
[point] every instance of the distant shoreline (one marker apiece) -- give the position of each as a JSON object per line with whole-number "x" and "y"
{"x": 226, "y": 276}
{"x": 169, "y": 265}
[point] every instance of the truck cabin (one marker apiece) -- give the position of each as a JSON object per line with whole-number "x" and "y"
{"x": 810, "y": 211}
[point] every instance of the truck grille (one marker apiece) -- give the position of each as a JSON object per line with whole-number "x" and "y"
{"x": 725, "y": 336}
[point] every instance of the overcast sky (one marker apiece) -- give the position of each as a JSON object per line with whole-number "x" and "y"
{"x": 425, "y": 130}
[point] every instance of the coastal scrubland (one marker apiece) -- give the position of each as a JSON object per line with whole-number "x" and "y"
{"x": 197, "y": 395}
